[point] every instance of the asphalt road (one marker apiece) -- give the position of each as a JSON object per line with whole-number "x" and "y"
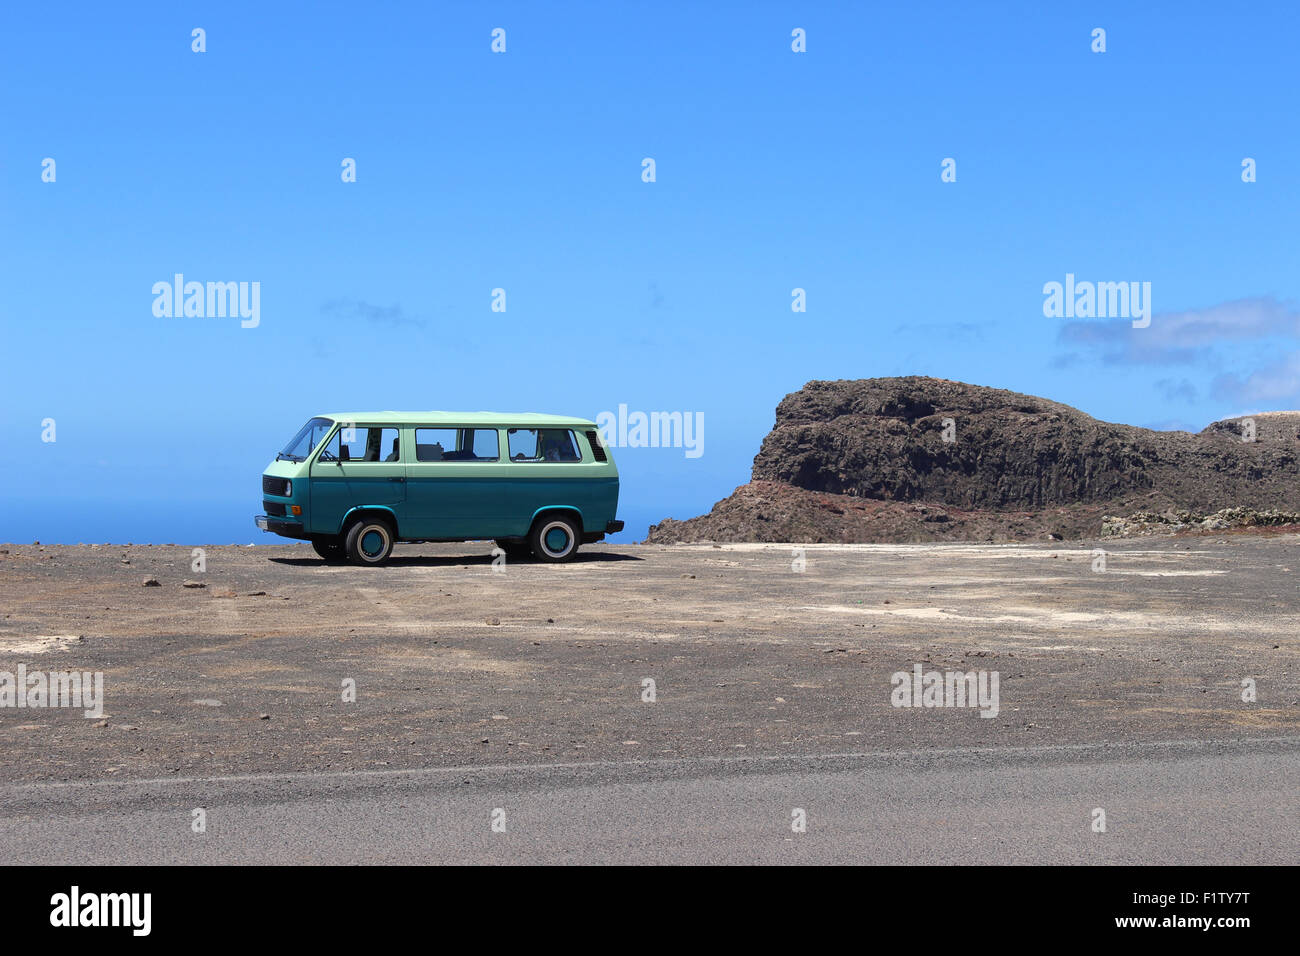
{"x": 1170, "y": 803}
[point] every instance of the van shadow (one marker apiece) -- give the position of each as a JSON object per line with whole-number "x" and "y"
{"x": 457, "y": 560}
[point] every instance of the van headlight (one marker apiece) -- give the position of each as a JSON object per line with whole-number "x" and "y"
{"x": 288, "y": 488}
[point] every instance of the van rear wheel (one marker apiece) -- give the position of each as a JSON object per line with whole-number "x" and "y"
{"x": 555, "y": 538}
{"x": 331, "y": 549}
{"x": 369, "y": 541}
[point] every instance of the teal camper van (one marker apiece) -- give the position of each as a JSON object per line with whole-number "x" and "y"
{"x": 355, "y": 484}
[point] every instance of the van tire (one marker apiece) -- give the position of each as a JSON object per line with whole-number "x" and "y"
{"x": 369, "y": 541}
{"x": 331, "y": 549}
{"x": 555, "y": 537}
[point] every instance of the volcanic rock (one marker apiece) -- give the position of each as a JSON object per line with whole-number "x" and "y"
{"x": 923, "y": 459}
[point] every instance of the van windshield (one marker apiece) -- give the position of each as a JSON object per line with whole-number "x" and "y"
{"x": 310, "y": 435}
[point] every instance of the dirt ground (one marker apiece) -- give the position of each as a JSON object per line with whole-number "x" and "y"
{"x": 457, "y": 664}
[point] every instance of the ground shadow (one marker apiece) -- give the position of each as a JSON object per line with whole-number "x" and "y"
{"x": 457, "y": 560}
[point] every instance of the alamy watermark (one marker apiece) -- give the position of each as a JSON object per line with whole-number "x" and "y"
{"x": 38, "y": 690}
{"x": 214, "y": 300}
{"x": 75, "y": 908}
{"x": 946, "y": 689}
{"x": 626, "y": 429}
{"x": 1098, "y": 300}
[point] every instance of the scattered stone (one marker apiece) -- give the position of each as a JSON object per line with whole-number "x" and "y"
{"x": 263, "y": 716}
{"x": 151, "y": 583}
{"x": 493, "y": 621}
{"x": 100, "y": 723}
{"x": 193, "y": 584}
{"x": 1172, "y": 521}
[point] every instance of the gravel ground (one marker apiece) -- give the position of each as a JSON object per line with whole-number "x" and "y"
{"x": 457, "y": 665}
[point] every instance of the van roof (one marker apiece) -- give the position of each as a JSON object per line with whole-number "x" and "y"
{"x": 458, "y": 418}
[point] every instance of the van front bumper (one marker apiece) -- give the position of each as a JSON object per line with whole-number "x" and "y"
{"x": 289, "y": 529}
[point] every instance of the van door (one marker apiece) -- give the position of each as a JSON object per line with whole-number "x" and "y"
{"x": 361, "y": 465}
{"x": 452, "y": 481}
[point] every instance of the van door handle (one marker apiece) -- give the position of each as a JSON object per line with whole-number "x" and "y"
{"x": 396, "y": 479}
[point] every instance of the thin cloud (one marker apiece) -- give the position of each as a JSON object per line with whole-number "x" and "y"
{"x": 1172, "y": 425}
{"x": 1177, "y": 391}
{"x": 1184, "y": 338}
{"x": 390, "y": 315}
{"x": 1279, "y": 381}
{"x": 950, "y": 331}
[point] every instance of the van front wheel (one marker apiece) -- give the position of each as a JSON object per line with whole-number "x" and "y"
{"x": 369, "y": 541}
{"x": 555, "y": 538}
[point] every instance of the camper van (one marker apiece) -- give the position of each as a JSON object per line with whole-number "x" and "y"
{"x": 355, "y": 484}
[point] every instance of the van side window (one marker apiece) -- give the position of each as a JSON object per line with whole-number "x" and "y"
{"x": 543, "y": 444}
{"x": 456, "y": 444}
{"x": 483, "y": 442}
{"x": 367, "y": 444}
{"x": 523, "y": 444}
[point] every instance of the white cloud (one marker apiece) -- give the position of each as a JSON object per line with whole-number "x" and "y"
{"x": 1272, "y": 383}
{"x": 1177, "y": 338}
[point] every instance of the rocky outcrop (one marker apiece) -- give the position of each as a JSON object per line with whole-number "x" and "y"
{"x": 997, "y": 464}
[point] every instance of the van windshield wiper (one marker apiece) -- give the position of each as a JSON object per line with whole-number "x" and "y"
{"x": 285, "y": 456}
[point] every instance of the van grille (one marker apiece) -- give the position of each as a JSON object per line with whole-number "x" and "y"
{"x": 597, "y": 450}
{"x": 274, "y": 508}
{"x": 275, "y": 486}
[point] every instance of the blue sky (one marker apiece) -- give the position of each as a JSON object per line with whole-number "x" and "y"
{"x": 523, "y": 171}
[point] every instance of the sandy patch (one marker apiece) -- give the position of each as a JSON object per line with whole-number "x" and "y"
{"x": 37, "y": 643}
